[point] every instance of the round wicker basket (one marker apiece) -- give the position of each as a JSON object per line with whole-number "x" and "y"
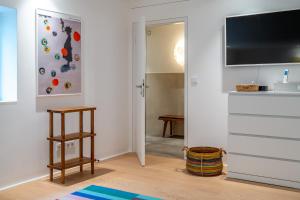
{"x": 204, "y": 161}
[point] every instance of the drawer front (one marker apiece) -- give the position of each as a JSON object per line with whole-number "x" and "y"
{"x": 285, "y": 127}
{"x": 267, "y": 147}
{"x": 265, "y": 105}
{"x": 276, "y": 169}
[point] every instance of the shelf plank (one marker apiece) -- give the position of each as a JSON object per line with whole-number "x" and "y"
{"x": 70, "y": 163}
{"x": 72, "y": 109}
{"x": 71, "y": 136}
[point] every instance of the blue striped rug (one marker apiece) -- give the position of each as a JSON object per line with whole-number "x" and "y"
{"x": 103, "y": 193}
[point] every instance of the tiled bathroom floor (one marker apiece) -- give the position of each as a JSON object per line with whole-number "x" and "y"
{"x": 170, "y": 147}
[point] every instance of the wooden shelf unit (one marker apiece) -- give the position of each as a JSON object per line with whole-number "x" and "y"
{"x": 63, "y": 137}
{"x": 70, "y": 163}
{"x": 71, "y": 136}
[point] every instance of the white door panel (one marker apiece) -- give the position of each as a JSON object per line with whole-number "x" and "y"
{"x": 139, "y": 67}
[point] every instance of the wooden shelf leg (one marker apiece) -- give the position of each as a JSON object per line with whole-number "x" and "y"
{"x": 51, "y": 144}
{"x": 171, "y": 128}
{"x": 63, "y": 148}
{"x": 165, "y": 128}
{"x": 92, "y": 142}
{"x": 62, "y": 176}
{"x": 81, "y": 139}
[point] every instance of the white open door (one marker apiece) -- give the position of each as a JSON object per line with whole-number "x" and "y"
{"x": 139, "y": 67}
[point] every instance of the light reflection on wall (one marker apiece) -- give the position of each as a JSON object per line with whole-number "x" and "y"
{"x": 179, "y": 52}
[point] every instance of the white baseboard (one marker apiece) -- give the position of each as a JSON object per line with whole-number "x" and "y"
{"x": 113, "y": 156}
{"x": 23, "y": 182}
{"x": 47, "y": 175}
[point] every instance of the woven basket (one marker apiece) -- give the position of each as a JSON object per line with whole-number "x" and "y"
{"x": 204, "y": 161}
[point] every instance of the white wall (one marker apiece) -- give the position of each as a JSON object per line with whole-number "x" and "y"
{"x": 141, "y": 3}
{"x": 207, "y": 101}
{"x": 161, "y": 41}
{"x": 24, "y": 125}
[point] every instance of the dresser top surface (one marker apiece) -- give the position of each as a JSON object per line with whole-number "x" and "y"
{"x": 275, "y": 93}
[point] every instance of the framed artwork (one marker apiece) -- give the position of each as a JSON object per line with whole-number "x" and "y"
{"x": 58, "y": 56}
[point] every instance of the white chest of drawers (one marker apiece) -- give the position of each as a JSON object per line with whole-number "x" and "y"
{"x": 264, "y": 137}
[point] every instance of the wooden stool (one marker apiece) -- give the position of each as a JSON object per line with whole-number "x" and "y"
{"x": 171, "y": 119}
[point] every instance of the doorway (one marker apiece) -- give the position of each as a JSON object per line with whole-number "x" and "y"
{"x": 165, "y": 95}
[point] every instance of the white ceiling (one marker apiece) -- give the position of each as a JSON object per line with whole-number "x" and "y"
{"x": 145, "y": 3}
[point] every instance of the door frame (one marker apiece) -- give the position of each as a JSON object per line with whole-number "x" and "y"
{"x": 186, "y": 75}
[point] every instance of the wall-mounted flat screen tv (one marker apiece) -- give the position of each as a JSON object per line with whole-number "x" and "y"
{"x": 263, "y": 39}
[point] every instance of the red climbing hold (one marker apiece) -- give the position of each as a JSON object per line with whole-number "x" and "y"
{"x": 64, "y": 52}
{"x": 76, "y": 36}
{"x": 55, "y": 82}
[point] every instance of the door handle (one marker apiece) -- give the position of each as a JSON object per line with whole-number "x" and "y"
{"x": 142, "y": 87}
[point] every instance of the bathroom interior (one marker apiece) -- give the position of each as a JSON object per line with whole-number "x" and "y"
{"x": 165, "y": 89}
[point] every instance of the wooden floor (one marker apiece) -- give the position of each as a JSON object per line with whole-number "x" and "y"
{"x": 162, "y": 177}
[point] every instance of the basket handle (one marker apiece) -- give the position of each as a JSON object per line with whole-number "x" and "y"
{"x": 223, "y": 151}
{"x": 185, "y": 148}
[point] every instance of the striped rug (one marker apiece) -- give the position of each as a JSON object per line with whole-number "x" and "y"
{"x": 103, "y": 193}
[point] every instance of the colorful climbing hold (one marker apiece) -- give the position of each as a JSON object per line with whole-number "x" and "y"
{"x": 54, "y": 33}
{"x": 53, "y": 73}
{"x": 68, "y": 85}
{"x": 49, "y": 90}
{"x": 42, "y": 70}
{"x": 64, "y": 52}
{"x": 77, "y": 57}
{"x": 76, "y": 36}
{"x": 47, "y": 49}
{"x": 48, "y": 28}
{"x": 44, "y": 42}
{"x": 57, "y": 56}
{"x": 55, "y": 82}
{"x": 45, "y": 21}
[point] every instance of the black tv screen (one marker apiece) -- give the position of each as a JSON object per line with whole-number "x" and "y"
{"x": 269, "y": 38}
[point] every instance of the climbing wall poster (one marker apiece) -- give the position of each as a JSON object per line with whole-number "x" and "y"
{"x": 58, "y": 54}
